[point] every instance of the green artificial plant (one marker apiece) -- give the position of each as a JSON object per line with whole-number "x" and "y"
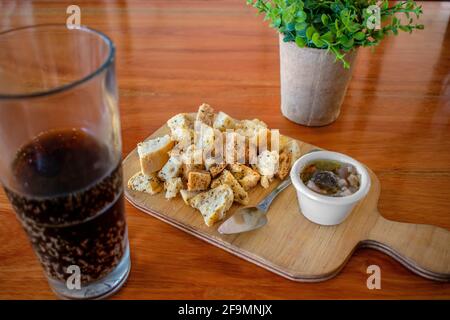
{"x": 338, "y": 25}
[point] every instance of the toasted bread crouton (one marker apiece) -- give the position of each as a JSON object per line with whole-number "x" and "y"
{"x": 213, "y": 204}
{"x": 188, "y": 168}
{"x": 216, "y": 169}
{"x": 188, "y": 195}
{"x": 267, "y": 166}
{"x": 205, "y": 136}
{"x": 214, "y": 166}
{"x": 257, "y": 133}
{"x": 247, "y": 177}
{"x": 154, "y": 153}
{"x": 192, "y": 155}
{"x": 235, "y": 147}
{"x": 284, "y": 165}
{"x": 192, "y": 159}
{"x": 198, "y": 180}
{"x": 240, "y": 195}
{"x": 182, "y": 135}
{"x": 171, "y": 169}
{"x": 265, "y": 181}
{"x": 172, "y": 186}
{"x": 284, "y": 140}
{"x": 224, "y": 122}
{"x": 143, "y": 183}
{"x": 181, "y": 120}
{"x": 293, "y": 148}
{"x": 250, "y": 127}
{"x": 205, "y": 114}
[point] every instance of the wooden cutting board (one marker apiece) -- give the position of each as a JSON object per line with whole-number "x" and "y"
{"x": 297, "y": 249}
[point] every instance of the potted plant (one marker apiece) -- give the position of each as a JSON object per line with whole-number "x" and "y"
{"x": 315, "y": 35}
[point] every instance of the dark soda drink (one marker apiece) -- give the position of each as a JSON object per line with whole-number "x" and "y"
{"x": 69, "y": 200}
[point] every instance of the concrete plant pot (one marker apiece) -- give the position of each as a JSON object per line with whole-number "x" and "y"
{"x": 313, "y": 85}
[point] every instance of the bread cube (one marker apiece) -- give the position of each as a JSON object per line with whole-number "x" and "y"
{"x": 198, "y": 180}
{"x": 172, "y": 187}
{"x": 268, "y": 162}
{"x": 247, "y": 177}
{"x": 205, "y": 114}
{"x": 293, "y": 148}
{"x": 171, "y": 169}
{"x": 149, "y": 184}
{"x": 224, "y": 121}
{"x": 154, "y": 153}
{"x": 213, "y": 204}
{"x": 267, "y": 166}
{"x": 284, "y": 165}
{"x": 240, "y": 195}
{"x": 181, "y": 120}
{"x": 188, "y": 195}
{"x": 182, "y": 135}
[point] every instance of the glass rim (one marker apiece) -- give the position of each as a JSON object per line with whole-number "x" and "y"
{"x": 106, "y": 63}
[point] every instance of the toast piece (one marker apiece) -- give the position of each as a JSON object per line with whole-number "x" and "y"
{"x": 204, "y": 136}
{"x": 153, "y": 154}
{"x": 284, "y": 165}
{"x": 189, "y": 167}
{"x": 283, "y": 142}
{"x": 205, "y": 114}
{"x": 213, "y": 204}
{"x": 250, "y": 128}
{"x": 188, "y": 195}
{"x": 265, "y": 181}
{"x": 181, "y": 120}
{"x": 192, "y": 159}
{"x": 240, "y": 195}
{"x": 267, "y": 166}
{"x": 293, "y": 148}
{"x": 198, "y": 180}
{"x": 171, "y": 169}
{"x": 216, "y": 169}
{"x": 172, "y": 186}
{"x": 148, "y": 184}
{"x": 236, "y": 147}
{"x": 181, "y": 128}
{"x": 182, "y": 135}
{"x": 224, "y": 122}
{"x": 247, "y": 177}
{"x": 214, "y": 166}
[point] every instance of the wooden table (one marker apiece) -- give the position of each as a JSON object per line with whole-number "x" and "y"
{"x": 174, "y": 55}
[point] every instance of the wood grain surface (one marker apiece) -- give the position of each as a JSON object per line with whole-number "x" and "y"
{"x": 173, "y": 55}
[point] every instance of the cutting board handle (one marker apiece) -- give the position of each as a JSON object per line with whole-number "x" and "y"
{"x": 424, "y": 249}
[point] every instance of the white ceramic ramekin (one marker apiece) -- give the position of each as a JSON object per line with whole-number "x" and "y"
{"x": 323, "y": 209}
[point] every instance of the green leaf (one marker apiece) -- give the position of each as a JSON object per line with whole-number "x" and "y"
{"x": 328, "y": 37}
{"x": 360, "y": 36}
{"x": 301, "y": 26}
{"x": 324, "y": 19}
{"x": 309, "y": 32}
{"x": 300, "y": 16}
{"x": 316, "y": 40}
{"x": 300, "y": 42}
{"x": 346, "y": 42}
{"x": 290, "y": 26}
{"x": 288, "y": 37}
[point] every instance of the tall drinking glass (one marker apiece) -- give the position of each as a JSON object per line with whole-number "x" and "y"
{"x": 60, "y": 155}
